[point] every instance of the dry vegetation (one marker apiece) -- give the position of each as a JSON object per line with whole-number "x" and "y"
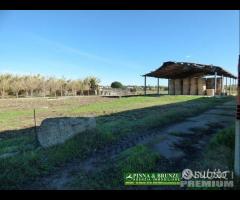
{"x": 37, "y": 85}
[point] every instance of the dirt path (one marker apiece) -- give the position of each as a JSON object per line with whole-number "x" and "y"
{"x": 173, "y": 142}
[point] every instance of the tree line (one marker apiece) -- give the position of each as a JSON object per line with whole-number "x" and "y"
{"x": 38, "y": 85}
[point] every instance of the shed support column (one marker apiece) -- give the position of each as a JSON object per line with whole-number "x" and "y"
{"x": 158, "y": 89}
{"x": 215, "y": 82}
{"x": 145, "y": 85}
{"x": 226, "y": 90}
{"x": 168, "y": 86}
{"x": 222, "y": 83}
{"x": 230, "y": 86}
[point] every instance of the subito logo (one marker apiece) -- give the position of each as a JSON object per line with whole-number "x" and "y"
{"x": 187, "y": 174}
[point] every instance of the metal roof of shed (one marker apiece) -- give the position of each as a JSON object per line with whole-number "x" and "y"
{"x": 174, "y": 70}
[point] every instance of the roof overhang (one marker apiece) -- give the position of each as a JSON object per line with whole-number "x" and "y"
{"x": 175, "y": 70}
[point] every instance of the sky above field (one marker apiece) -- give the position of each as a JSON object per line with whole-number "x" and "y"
{"x": 115, "y": 45}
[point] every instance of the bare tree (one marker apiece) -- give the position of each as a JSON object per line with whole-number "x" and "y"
{"x": 62, "y": 85}
{"x": 42, "y": 85}
{"x": 53, "y": 85}
{"x": 4, "y": 83}
{"x": 17, "y": 84}
{"x": 80, "y": 86}
{"x": 74, "y": 87}
{"x": 32, "y": 83}
{"x": 86, "y": 84}
{"x": 37, "y": 84}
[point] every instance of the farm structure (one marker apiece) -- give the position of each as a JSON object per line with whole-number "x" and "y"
{"x": 186, "y": 78}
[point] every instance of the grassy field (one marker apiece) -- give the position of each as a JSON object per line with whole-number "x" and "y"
{"x": 18, "y": 113}
{"x": 219, "y": 154}
{"x": 116, "y": 119}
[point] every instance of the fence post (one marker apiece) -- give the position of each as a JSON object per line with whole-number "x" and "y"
{"x": 35, "y": 127}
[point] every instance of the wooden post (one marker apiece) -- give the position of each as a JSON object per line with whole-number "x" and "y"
{"x": 35, "y": 127}
{"x": 145, "y": 87}
{"x": 215, "y": 84}
{"x": 158, "y": 89}
{"x": 34, "y": 118}
{"x": 237, "y": 127}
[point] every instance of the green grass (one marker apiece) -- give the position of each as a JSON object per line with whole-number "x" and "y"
{"x": 220, "y": 151}
{"x": 17, "y": 144}
{"x": 124, "y": 104}
{"x": 138, "y": 159}
{"x": 219, "y": 154}
{"x": 33, "y": 162}
{"x": 20, "y": 117}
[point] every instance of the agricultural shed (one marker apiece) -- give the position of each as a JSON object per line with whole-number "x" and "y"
{"x": 185, "y": 78}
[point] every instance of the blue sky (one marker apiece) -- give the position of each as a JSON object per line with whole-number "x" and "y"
{"x": 115, "y": 45}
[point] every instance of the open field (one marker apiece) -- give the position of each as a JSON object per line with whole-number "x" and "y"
{"x": 18, "y": 113}
{"x": 122, "y": 127}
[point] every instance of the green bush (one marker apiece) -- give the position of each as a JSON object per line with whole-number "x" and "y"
{"x": 116, "y": 84}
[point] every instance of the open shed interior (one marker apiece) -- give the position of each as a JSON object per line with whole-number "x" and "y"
{"x": 193, "y": 79}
